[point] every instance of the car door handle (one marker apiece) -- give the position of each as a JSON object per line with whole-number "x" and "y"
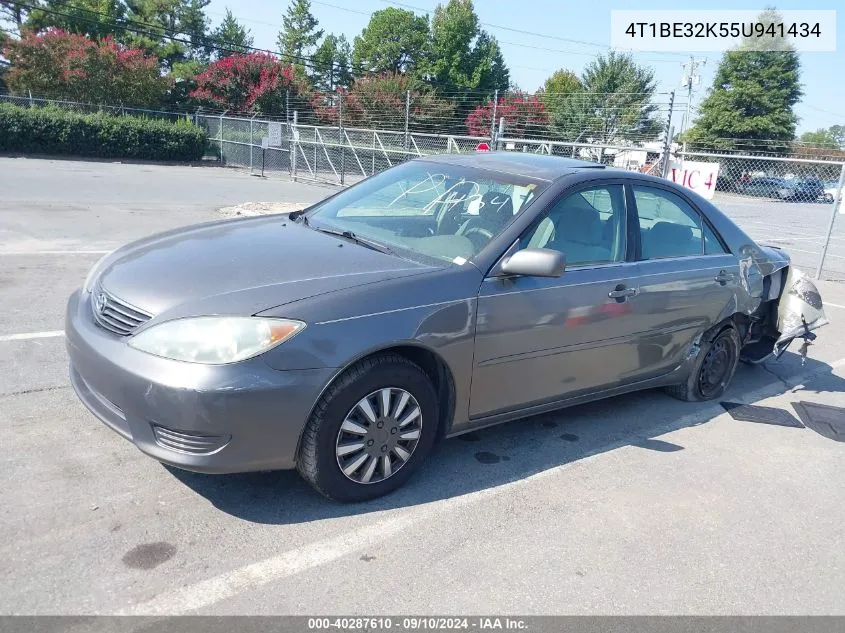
{"x": 723, "y": 277}
{"x": 621, "y": 292}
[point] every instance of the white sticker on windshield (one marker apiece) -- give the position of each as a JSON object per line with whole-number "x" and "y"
{"x": 460, "y": 261}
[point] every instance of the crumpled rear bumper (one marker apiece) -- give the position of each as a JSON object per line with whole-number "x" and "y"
{"x": 800, "y": 309}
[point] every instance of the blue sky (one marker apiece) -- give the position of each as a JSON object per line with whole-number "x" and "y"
{"x": 532, "y": 58}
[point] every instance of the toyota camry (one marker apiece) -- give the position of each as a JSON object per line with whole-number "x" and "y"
{"x": 442, "y": 295}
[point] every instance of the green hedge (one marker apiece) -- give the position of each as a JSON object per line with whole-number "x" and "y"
{"x": 55, "y": 131}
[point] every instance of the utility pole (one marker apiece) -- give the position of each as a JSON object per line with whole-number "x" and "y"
{"x": 667, "y": 144}
{"x": 689, "y": 79}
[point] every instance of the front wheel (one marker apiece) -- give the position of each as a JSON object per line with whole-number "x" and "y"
{"x": 713, "y": 369}
{"x": 370, "y": 431}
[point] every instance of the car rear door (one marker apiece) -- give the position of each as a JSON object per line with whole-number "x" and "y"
{"x": 687, "y": 278}
{"x": 544, "y": 339}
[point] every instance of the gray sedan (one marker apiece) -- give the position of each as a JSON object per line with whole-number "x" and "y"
{"x": 440, "y": 296}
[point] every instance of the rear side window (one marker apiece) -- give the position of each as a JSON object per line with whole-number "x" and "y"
{"x": 712, "y": 244}
{"x": 669, "y": 227}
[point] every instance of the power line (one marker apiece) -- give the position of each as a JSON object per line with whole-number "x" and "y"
{"x": 167, "y": 33}
{"x": 513, "y": 30}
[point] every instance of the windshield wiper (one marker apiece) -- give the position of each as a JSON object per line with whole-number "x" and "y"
{"x": 349, "y": 235}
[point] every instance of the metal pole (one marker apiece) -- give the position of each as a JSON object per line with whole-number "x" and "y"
{"x": 667, "y": 145}
{"x": 220, "y": 135}
{"x": 407, "y": 116}
{"x": 263, "y": 152}
{"x": 340, "y": 137}
{"x": 293, "y": 142}
{"x": 499, "y": 134}
{"x": 837, "y": 201}
{"x": 493, "y": 119}
{"x": 287, "y": 107}
{"x": 250, "y": 149}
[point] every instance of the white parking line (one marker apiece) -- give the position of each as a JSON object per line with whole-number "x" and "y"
{"x": 237, "y": 581}
{"x": 217, "y": 588}
{"x": 834, "y": 305}
{"x": 30, "y": 335}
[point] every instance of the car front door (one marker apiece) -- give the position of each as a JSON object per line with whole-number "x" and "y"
{"x": 688, "y": 280}
{"x": 539, "y": 340}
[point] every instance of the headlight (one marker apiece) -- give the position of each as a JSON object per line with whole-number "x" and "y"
{"x": 88, "y": 286}
{"x": 215, "y": 340}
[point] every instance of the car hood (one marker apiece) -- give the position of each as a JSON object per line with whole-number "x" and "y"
{"x": 241, "y": 267}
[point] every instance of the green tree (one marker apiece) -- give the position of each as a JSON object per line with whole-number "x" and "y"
{"x": 395, "y": 41}
{"x": 615, "y": 104}
{"x": 299, "y": 34}
{"x": 490, "y": 69}
{"x": 562, "y": 94}
{"x": 331, "y": 63}
{"x": 751, "y": 100}
{"x": 562, "y": 82}
{"x": 230, "y": 37}
{"x": 92, "y": 18}
{"x": 465, "y": 62}
{"x": 155, "y": 23}
{"x": 13, "y": 15}
{"x": 832, "y": 136}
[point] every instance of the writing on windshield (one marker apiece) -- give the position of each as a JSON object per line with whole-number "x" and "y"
{"x": 463, "y": 192}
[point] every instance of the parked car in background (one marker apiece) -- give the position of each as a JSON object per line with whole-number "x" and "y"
{"x": 443, "y": 295}
{"x": 830, "y": 189}
{"x": 763, "y": 186}
{"x": 787, "y": 189}
{"x": 803, "y": 190}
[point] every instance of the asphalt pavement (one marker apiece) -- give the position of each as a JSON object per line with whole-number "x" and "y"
{"x": 635, "y": 505}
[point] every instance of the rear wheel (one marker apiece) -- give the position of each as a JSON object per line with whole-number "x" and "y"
{"x": 370, "y": 431}
{"x": 713, "y": 370}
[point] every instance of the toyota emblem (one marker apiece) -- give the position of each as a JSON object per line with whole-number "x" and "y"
{"x": 100, "y": 302}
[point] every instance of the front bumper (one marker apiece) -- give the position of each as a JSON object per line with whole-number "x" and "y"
{"x": 215, "y": 419}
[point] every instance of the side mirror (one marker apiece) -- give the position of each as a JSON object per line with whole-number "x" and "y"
{"x": 535, "y": 262}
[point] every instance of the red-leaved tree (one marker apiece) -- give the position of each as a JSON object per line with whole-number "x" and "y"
{"x": 524, "y": 114}
{"x": 59, "y": 65}
{"x": 251, "y": 83}
{"x": 379, "y": 101}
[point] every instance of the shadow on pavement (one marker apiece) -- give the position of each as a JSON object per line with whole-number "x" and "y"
{"x": 506, "y": 453}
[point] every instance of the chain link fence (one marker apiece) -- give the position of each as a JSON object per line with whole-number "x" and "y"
{"x": 90, "y": 108}
{"x": 791, "y": 203}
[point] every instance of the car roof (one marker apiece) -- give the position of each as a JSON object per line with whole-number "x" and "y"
{"x": 539, "y": 166}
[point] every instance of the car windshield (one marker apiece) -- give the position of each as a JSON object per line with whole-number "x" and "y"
{"x": 433, "y": 210}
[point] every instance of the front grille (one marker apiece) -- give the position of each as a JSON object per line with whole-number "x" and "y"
{"x": 115, "y": 315}
{"x": 186, "y": 442}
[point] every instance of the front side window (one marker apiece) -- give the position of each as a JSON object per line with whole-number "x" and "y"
{"x": 588, "y": 227}
{"x": 435, "y": 210}
{"x": 669, "y": 227}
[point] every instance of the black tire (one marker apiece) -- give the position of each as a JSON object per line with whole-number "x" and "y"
{"x": 713, "y": 369}
{"x": 317, "y": 461}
